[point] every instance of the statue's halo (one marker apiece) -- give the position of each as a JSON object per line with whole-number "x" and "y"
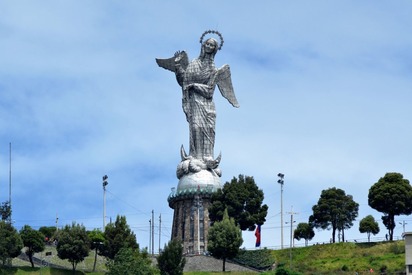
{"x": 214, "y": 32}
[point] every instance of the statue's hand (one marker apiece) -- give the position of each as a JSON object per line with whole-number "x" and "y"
{"x": 178, "y": 57}
{"x": 189, "y": 86}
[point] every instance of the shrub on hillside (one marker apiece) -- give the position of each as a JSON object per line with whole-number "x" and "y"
{"x": 261, "y": 259}
{"x": 282, "y": 270}
{"x": 171, "y": 260}
{"x": 131, "y": 261}
{"x": 397, "y": 248}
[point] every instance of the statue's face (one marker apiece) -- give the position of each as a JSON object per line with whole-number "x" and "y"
{"x": 210, "y": 46}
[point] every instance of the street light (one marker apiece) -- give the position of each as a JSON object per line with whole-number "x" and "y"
{"x": 281, "y": 182}
{"x": 105, "y": 183}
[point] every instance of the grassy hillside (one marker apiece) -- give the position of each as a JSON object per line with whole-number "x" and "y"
{"x": 325, "y": 259}
{"x": 345, "y": 258}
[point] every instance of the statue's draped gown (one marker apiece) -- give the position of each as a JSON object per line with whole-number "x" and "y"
{"x": 199, "y": 107}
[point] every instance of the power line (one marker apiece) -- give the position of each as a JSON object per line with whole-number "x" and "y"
{"x": 127, "y": 203}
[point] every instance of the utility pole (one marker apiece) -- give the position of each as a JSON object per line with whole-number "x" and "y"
{"x": 152, "y": 232}
{"x": 281, "y": 182}
{"x": 10, "y": 183}
{"x": 291, "y": 235}
{"x": 403, "y": 223}
{"x": 160, "y": 229}
{"x": 105, "y": 183}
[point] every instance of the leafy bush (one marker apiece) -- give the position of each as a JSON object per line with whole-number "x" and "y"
{"x": 284, "y": 271}
{"x": 131, "y": 261}
{"x": 171, "y": 260}
{"x": 397, "y": 248}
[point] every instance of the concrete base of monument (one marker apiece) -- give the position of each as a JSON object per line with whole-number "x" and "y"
{"x": 203, "y": 179}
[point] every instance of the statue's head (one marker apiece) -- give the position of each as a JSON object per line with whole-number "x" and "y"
{"x": 210, "y": 45}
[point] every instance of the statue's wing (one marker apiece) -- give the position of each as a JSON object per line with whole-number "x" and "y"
{"x": 168, "y": 64}
{"x": 224, "y": 82}
{"x": 171, "y": 64}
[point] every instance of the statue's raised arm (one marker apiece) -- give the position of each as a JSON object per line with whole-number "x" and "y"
{"x": 198, "y": 79}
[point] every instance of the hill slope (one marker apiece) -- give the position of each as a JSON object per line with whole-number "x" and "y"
{"x": 325, "y": 259}
{"x": 345, "y": 258}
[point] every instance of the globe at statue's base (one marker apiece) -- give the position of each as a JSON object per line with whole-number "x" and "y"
{"x": 203, "y": 179}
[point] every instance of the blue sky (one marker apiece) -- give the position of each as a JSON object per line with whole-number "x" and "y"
{"x": 324, "y": 91}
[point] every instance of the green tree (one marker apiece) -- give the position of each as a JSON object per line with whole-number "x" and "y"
{"x": 171, "y": 260}
{"x": 33, "y": 241}
{"x": 96, "y": 238}
{"x": 304, "y": 231}
{"x": 224, "y": 239}
{"x": 10, "y": 242}
{"x": 73, "y": 244}
{"x": 243, "y": 201}
{"x": 5, "y": 211}
{"x": 335, "y": 210}
{"x": 392, "y": 196}
{"x": 346, "y": 218}
{"x": 118, "y": 235}
{"x": 369, "y": 225}
{"x": 129, "y": 261}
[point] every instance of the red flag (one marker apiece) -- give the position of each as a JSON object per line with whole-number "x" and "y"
{"x": 257, "y": 234}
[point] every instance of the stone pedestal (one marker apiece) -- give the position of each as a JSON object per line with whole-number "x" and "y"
{"x": 190, "y": 202}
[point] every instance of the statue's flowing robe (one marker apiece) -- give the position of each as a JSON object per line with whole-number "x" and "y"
{"x": 199, "y": 107}
{"x": 198, "y": 80}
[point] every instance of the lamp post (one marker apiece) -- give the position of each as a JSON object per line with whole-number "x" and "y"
{"x": 281, "y": 182}
{"x": 105, "y": 183}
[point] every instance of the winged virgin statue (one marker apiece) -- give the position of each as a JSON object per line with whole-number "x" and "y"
{"x": 198, "y": 79}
